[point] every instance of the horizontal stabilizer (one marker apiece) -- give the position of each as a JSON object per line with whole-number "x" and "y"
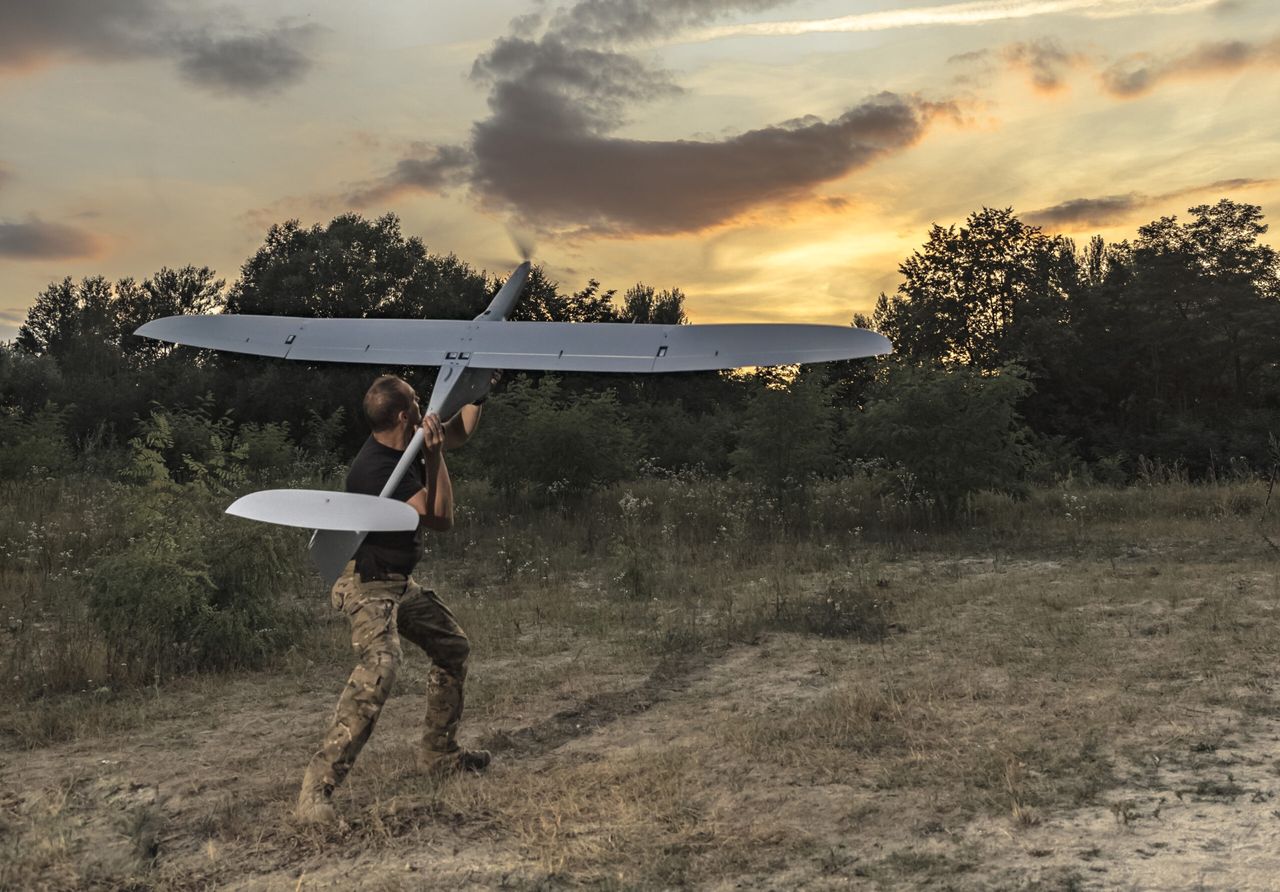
{"x": 322, "y": 510}
{"x": 530, "y": 346}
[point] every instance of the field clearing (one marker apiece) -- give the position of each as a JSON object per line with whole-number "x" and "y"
{"x": 1075, "y": 691}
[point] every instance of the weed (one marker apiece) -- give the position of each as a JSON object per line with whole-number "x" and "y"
{"x": 839, "y": 612}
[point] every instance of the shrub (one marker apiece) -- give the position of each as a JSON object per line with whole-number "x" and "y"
{"x": 35, "y": 444}
{"x": 560, "y": 445}
{"x": 952, "y": 431}
{"x": 785, "y": 437}
{"x": 190, "y": 589}
{"x": 265, "y": 449}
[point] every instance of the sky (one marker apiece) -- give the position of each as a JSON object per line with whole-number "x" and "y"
{"x": 776, "y": 161}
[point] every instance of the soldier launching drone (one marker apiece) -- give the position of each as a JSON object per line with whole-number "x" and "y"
{"x": 369, "y": 538}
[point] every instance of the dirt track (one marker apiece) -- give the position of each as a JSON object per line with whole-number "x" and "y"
{"x": 204, "y": 800}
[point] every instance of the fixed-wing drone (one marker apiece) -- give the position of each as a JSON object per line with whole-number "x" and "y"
{"x": 467, "y": 354}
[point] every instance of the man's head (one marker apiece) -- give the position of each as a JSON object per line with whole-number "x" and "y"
{"x": 391, "y": 403}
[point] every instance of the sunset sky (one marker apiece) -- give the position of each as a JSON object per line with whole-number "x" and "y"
{"x": 774, "y": 160}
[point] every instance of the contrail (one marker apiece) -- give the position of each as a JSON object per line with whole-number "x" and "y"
{"x": 972, "y": 13}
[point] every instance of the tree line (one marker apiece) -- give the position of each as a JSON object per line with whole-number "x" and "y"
{"x": 1019, "y": 356}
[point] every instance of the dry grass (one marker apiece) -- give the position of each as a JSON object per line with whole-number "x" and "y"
{"x": 675, "y": 700}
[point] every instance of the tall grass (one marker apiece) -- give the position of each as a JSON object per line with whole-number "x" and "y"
{"x": 655, "y": 565}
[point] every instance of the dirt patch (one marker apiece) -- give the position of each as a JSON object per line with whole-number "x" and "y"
{"x": 1038, "y": 724}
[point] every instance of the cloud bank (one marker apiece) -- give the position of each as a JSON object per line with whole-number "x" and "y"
{"x": 223, "y": 55}
{"x": 35, "y": 239}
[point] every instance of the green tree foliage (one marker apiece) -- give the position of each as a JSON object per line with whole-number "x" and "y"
{"x": 535, "y": 434}
{"x": 266, "y": 450}
{"x": 953, "y": 430}
{"x": 1160, "y": 347}
{"x": 1175, "y": 335}
{"x": 181, "y": 292}
{"x": 105, "y": 374}
{"x": 1163, "y": 347}
{"x": 188, "y": 589}
{"x": 35, "y": 444}
{"x": 785, "y": 433}
{"x": 27, "y": 382}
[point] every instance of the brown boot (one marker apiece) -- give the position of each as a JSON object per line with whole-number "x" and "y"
{"x": 441, "y": 765}
{"x": 314, "y": 805}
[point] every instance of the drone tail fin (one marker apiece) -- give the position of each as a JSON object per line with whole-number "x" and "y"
{"x": 340, "y": 520}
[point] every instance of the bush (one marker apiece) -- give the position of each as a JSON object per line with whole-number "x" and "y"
{"x": 35, "y": 445}
{"x": 265, "y": 449}
{"x": 560, "y": 445}
{"x": 190, "y": 589}
{"x": 26, "y": 381}
{"x": 951, "y": 431}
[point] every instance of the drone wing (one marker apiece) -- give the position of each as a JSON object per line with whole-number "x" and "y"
{"x": 529, "y": 346}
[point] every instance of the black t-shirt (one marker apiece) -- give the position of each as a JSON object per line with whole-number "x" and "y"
{"x": 395, "y": 552}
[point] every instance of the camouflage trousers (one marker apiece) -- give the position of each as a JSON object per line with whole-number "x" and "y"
{"x": 380, "y": 613}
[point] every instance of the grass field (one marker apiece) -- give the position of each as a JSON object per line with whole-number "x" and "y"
{"x": 686, "y": 685}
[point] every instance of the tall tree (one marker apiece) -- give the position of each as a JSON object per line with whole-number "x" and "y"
{"x": 980, "y": 294}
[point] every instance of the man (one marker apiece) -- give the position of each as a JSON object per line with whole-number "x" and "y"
{"x": 383, "y": 602}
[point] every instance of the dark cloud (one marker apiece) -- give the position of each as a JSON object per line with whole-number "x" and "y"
{"x": 1089, "y": 211}
{"x": 551, "y": 84}
{"x": 249, "y": 64}
{"x": 549, "y": 152}
{"x": 555, "y": 177}
{"x": 102, "y": 30}
{"x": 596, "y": 22}
{"x": 37, "y": 240}
{"x": 1045, "y": 61}
{"x": 430, "y": 169}
{"x": 1117, "y": 208}
{"x": 1141, "y": 73}
{"x": 218, "y": 54}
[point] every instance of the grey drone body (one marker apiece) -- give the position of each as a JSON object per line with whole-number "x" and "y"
{"x": 467, "y": 354}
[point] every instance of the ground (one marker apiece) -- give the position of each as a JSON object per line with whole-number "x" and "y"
{"x": 1099, "y": 714}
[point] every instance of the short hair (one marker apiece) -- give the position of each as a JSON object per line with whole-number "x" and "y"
{"x": 385, "y": 400}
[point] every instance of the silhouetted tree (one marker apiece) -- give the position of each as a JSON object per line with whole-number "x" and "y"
{"x": 643, "y": 303}
{"x": 980, "y": 294}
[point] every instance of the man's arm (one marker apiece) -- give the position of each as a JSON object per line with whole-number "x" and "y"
{"x": 460, "y": 427}
{"x": 434, "y": 502}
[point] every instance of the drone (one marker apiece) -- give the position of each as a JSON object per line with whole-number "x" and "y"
{"x": 467, "y": 353}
